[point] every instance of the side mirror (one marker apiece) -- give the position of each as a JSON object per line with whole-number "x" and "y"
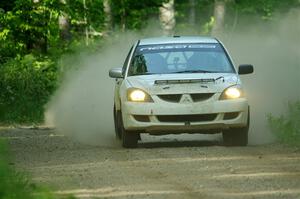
{"x": 245, "y": 69}
{"x": 116, "y": 73}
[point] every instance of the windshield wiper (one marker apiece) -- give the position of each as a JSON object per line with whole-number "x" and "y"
{"x": 194, "y": 71}
{"x": 136, "y": 74}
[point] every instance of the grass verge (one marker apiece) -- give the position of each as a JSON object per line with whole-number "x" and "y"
{"x": 287, "y": 127}
{"x": 15, "y": 185}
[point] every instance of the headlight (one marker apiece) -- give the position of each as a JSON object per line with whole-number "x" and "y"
{"x": 233, "y": 92}
{"x": 138, "y": 95}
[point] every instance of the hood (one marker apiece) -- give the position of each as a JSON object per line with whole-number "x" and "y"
{"x": 184, "y": 83}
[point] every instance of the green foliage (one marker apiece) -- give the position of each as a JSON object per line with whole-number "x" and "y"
{"x": 204, "y": 11}
{"x": 14, "y": 185}
{"x": 287, "y": 127}
{"x": 264, "y": 8}
{"x": 31, "y": 40}
{"x": 132, "y": 14}
{"x": 26, "y": 84}
{"x": 208, "y": 26}
{"x": 90, "y": 16}
{"x": 29, "y": 26}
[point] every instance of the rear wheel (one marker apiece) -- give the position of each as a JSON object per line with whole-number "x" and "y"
{"x": 237, "y": 136}
{"x": 129, "y": 138}
{"x": 117, "y": 123}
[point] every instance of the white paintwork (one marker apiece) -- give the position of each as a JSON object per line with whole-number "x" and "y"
{"x": 177, "y": 40}
{"x": 161, "y": 107}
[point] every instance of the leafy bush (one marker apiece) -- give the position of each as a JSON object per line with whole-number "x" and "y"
{"x": 26, "y": 84}
{"x": 287, "y": 127}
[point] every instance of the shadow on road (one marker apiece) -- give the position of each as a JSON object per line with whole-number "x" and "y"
{"x": 169, "y": 144}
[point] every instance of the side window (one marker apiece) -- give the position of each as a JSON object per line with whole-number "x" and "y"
{"x": 126, "y": 61}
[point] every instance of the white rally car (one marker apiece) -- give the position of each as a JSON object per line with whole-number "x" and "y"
{"x": 172, "y": 85}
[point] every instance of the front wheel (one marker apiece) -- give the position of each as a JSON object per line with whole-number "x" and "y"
{"x": 237, "y": 136}
{"x": 117, "y": 123}
{"x": 129, "y": 138}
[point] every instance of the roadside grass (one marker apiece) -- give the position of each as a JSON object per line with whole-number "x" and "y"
{"x": 16, "y": 185}
{"x": 286, "y": 127}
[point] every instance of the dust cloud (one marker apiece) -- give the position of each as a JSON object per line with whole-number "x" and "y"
{"x": 82, "y": 106}
{"x": 274, "y": 50}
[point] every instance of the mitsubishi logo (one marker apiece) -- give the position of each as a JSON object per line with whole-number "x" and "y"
{"x": 186, "y": 99}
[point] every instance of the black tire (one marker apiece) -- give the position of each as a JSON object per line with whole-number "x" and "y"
{"x": 237, "y": 136}
{"x": 117, "y": 124}
{"x": 129, "y": 138}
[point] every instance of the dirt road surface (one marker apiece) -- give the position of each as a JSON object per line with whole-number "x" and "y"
{"x": 157, "y": 169}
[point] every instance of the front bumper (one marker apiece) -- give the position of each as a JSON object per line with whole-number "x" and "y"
{"x": 201, "y": 117}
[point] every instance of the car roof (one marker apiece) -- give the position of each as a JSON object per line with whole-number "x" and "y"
{"x": 177, "y": 40}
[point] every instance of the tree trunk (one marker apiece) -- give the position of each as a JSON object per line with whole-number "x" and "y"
{"x": 123, "y": 15}
{"x": 192, "y": 13}
{"x": 167, "y": 17}
{"x": 64, "y": 25}
{"x": 42, "y": 42}
{"x": 108, "y": 24}
{"x": 219, "y": 16}
{"x": 85, "y": 23}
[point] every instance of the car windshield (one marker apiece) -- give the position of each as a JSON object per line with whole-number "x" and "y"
{"x": 179, "y": 58}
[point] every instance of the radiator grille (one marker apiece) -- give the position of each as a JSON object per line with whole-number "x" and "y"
{"x": 201, "y": 96}
{"x": 196, "y": 97}
{"x": 187, "y": 118}
{"x": 171, "y": 98}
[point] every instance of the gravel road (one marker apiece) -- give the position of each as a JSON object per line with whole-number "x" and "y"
{"x": 157, "y": 169}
